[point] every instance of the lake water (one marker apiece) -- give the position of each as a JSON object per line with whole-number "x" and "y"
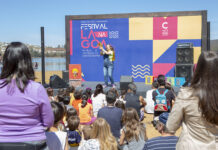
{"x": 51, "y": 63}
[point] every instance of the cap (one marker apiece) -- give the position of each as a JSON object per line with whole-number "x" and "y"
{"x": 163, "y": 117}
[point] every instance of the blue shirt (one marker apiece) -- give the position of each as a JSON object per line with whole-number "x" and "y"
{"x": 74, "y": 138}
{"x": 161, "y": 143}
{"x": 113, "y": 116}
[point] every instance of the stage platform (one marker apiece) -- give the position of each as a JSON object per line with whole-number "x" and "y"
{"x": 141, "y": 87}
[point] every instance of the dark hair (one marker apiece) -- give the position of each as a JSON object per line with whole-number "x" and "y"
{"x": 115, "y": 91}
{"x": 88, "y": 91}
{"x": 87, "y": 130}
{"x": 70, "y": 89}
{"x": 132, "y": 87}
{"x": 98, "y": 89}
{"x": 17, "y": 63}
{"x": 58, "y": 111}
{"x": 73, "y": 122}
{"x": 161, "y": 80}
{"x": 204, "y": 86}
{"x": 66, "y": 100}
{"x": 84, "y": 100}
{"x": 71, "y": 112}
{"x": 49, "y": 91}
{"x": 61, "y": 91}
{"x": 155, "y": 84}
{"x": 77, "y": 94}
{"x": 111, "y": 97}
{"x": 120, "y": 104}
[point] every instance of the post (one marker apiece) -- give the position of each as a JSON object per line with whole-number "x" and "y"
{"x": 43, "y": 55}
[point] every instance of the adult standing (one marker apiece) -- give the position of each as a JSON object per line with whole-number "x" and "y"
{"x": 196, "y": 107}
{"x": 24, "y": 104}
{"x": 109, "y": 57}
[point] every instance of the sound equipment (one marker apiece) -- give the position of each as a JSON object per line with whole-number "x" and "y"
{"x": 65, "y": 76}
{"x": 125, "y": 81}
{"x": 184, "y": 60}
{"x": 184, "y": 70}
{"x": 184, "y": 55}
{"x": 56, "y": 82}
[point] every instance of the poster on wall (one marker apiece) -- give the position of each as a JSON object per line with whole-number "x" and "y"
{"x": 84, "y": 49}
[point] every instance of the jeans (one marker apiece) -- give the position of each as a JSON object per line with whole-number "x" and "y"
{"x": 108, "y": 72}
{"x": 36, "y": 145}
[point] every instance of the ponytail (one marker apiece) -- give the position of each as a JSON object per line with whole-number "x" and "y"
{"x": 84, "y": 100}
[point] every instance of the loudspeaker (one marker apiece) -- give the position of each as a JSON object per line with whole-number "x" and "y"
{"x": 125, "y": 81}
{"x": 56, "y": 82}
{"x": 65, "y": 76}
{"x": 184, "y": 55}
{"x": 184, "y": 71}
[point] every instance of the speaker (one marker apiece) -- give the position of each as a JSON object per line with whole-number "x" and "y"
{"x": 184, "y": 55}
{"x": 183, "y": 70}
{"x": 65, "y": 76}
{"x": 125, "y": 81}
{"x": 56, "y": 82}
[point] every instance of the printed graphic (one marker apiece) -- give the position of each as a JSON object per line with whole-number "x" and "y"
{"x": 75, "y": 72}
{"x": 144, "y": 46}
{"x": 165, "y": 28}
{"x": 140, "y": 71}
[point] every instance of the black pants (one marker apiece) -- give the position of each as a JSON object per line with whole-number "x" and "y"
{"x": 38, "y": 145}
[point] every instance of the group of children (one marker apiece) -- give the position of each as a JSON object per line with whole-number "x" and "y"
{"x": 76, "y": 127}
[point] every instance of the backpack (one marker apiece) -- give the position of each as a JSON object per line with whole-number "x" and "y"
{"x": 161, "y": 103}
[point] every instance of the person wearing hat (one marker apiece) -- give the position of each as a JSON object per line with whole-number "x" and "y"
{"x": 166, "y": 141}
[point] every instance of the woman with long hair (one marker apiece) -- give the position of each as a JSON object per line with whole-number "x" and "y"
{"x": 101, "y": 132}
{"x": 98, "y": 99}
{"x": 133, "y": 132}
{"x": 109, "y": 57}
{"x": 196, "y": 107}
{"x": 24, "y": 103}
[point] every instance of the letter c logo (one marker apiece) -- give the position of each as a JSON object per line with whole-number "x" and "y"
{"x": 164, "y": 25}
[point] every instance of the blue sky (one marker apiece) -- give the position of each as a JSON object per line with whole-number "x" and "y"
{"x": 20, "y": 20}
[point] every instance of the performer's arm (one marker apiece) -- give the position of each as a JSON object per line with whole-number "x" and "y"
{"x": 105, "y": 52}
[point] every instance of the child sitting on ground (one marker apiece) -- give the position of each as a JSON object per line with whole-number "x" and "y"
{"x": 58, "y": 111}
{"x": 85, "y": 111}
{"x": 74, "y": 135}
{"x": 133, "y": 131}
{"x": 101, "y": 137}
{"x": 86, "y": 133}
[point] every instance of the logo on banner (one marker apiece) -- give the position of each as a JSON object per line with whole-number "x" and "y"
{"x": 165, "y": 28}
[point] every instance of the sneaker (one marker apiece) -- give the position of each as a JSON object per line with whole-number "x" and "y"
{"x": 104, "y": 86}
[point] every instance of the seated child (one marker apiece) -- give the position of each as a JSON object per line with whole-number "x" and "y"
{"x": 74, "y": 135}
{"x": 86, "y": 111}
{"x": 58, "y": 111}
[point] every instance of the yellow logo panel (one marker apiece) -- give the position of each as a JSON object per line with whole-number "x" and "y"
{"x": 141, "y": 28}
{"x": 189, "y": 27}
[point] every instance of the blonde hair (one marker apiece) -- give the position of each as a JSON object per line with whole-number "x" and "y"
{"x": 101, "y": 131}
{"x": 134, "y": 128}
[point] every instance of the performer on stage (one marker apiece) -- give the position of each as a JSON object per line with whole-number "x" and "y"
{"x": 109, "y": 57}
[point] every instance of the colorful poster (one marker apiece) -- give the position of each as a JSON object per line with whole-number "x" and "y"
{"x": 132, "y": 57}
{"x": 75, "y": 72}
{"x": 144, "y": 46}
